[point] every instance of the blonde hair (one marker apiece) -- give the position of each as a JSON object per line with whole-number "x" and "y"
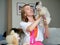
{"x": 23, "y": 17}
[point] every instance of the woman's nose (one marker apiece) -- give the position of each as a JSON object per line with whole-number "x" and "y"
{"x": 32, "y": 10}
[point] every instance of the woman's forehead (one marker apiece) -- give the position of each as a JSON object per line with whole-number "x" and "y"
{"x": 27, "y": 7}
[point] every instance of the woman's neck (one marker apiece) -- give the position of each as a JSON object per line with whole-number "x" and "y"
{"x": 30, "y": 18}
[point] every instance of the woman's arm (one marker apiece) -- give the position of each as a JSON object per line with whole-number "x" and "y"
{"x": 46, "y": 33}
{"x": 33, "y": 25}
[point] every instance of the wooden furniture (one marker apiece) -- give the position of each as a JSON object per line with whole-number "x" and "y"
{"x": 9, "y": 14}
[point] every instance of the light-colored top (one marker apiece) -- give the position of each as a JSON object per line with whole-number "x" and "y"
{"x": 24, "y": 25}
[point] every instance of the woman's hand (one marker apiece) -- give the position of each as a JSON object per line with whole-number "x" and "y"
{"x": 46, "y": 35}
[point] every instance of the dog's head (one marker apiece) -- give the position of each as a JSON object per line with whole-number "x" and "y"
{"x": 38, "y": 5}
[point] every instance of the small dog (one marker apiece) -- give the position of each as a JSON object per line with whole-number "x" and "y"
{"x": 43, "y": 11}
{"x": 13, "y": 38}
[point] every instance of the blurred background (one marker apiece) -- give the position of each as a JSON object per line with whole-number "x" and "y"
{"x": 10, "y": 19}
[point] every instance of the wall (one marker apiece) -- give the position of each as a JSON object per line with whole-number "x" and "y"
{"x": 54, "y": 9}
{"x": 3, "y": 16}
{"x": 54, "y": 36}
{"x": 17, "y": 18}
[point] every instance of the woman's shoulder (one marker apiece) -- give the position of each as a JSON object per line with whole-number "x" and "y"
{"x": 23, "y": 23}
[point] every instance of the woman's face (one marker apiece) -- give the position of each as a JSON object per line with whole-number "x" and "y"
{"x": 28, "y": 11}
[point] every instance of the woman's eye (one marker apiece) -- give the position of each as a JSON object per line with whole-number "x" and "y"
{"x": 27, "y": 9}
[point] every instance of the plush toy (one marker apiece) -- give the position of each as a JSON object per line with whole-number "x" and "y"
{"x": 43, "y": 11}
{"x": 13, "y": 38}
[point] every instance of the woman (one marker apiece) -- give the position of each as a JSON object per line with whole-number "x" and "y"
{"x": 29, "y": 24}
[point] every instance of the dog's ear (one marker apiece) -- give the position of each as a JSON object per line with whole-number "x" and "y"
{"x": 4, "y": 34}
{"x": 37, "y": 3}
